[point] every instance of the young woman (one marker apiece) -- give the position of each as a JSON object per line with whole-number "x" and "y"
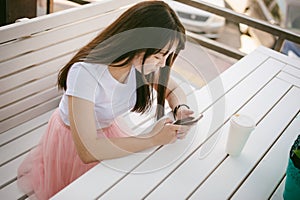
{"x": 116, "y": 72}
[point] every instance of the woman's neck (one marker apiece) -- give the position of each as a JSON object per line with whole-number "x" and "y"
{"x": 120, "y": 73}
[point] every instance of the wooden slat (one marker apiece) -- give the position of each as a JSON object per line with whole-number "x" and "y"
{"x": 28, "y": 89}
{"x": 289, "y": 78}
{"x": 278, "y": 194}
{"x": 46, "y": 22}
{"x": 235, "y": 169}
{"x": 24, "y": 144}
{"x": 11, "y": 192}
{"x": 282, "y": 57}
{"x": 202, "y": 166}
{"x": 292, "y": 71}
{"x": 260, "y": 187}
{"x": 57, "y": 35}
{"x": 24, "y": 128}
{"x": 9, "y": 171}
{"x": 29, "y": 114}
{"x": 28, "y": 103}
{"x": 33, "y": 73}
{"x": 44, "y": 55}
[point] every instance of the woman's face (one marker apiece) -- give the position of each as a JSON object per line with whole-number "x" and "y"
{"x": 153, "y": 62}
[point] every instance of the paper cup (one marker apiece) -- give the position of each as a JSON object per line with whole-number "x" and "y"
{"x": 240, "y": 128}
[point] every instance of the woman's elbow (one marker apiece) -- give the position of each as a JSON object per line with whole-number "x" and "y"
{"x": 86, "y": 157}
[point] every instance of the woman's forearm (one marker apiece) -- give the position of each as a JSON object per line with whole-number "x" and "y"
{"x": 89, "y": 146}
{"x": 176, "y": 96}
{"x": 110, "y": 148}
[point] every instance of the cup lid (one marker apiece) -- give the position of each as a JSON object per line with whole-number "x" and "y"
{"x": 243, "y": 120}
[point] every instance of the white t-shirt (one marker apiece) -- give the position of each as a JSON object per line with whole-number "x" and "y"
{"x": 94, "y": 83}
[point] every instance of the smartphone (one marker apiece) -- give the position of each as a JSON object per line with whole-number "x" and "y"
{"x": 188, "y": 121}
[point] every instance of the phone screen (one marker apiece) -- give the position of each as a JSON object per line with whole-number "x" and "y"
{"x": 188, "y": 120}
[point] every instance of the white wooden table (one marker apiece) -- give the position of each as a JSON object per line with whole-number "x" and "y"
{"x": 265, "y": 85}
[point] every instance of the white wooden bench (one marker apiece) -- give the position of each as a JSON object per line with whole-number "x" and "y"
{"x": 31, "y": 53}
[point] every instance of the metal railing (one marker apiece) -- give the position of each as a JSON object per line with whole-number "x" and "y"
{"x": 279, "y": 33}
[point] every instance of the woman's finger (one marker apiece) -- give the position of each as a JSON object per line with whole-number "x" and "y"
{"x": 181, "y": 136}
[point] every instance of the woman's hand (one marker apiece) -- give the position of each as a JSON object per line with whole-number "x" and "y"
{"x": 183, "y": 112}
{"x": 164, "y": 132}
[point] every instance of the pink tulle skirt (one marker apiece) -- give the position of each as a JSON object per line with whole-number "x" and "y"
{"x": 54, "y": 163}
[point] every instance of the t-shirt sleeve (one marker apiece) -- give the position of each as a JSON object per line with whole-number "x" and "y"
{"x": 81, "y": 82}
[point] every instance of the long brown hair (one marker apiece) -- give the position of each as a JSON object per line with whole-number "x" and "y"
{"x": 147, "y": 27}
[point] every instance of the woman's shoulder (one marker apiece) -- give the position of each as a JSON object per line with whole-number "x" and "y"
{"x": 91, "y": 68}
{"x": 84, "y": 70}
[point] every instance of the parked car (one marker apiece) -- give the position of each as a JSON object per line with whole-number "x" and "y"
{"x": 292, "y": 22}
{"x": 199, "y": 21}
{"x": 285, "y": 13}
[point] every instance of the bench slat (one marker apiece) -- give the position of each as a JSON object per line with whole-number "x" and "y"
{"x": 46, "y": 22}
{"x": 28, "y": 89}
{"x": 11, "y": 192}
{"x": 9, "y": 171}
{"x": 29, "y": 114}
{"x": 32, "y": 74}
{"x": 25, "y": 127}
{"x": 26, "y": 104}
{"x": 50, "y": 37}
{"x": 24, "y": 144}
{"x": 44, "y": 55}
